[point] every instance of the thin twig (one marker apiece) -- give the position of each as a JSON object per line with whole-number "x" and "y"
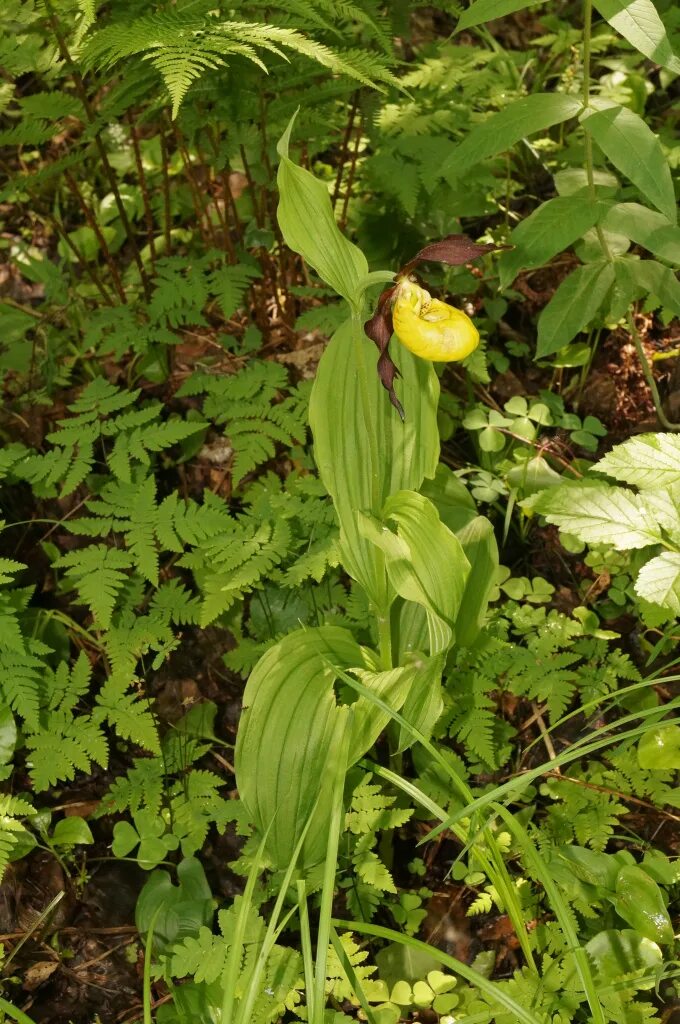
{"x": 166, "y": 193}
{"x": 148, "y": 216}
{"x": 350, "y": 178}
{"x": 101, "y": 148}
{"x": 345, "y": 147}
{"x": 92, "y": 221}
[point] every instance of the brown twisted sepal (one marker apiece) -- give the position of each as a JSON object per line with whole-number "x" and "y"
{"x": 379, "y": 330}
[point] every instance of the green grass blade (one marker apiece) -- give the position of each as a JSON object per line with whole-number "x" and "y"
{"x": 306, "y": 945}
{"x": 330, "y": 867}
{"x": 351, "y": 976}
{"x": 489, "y": 988}
{"x": 562, "y": 912}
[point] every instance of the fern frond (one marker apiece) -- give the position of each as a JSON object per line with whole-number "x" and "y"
{"x": 21, "y": 676}
{"x": 97, "y": 573}
{"x": 12, "y": 808}
{"x": 183, "y": 47}
{"x": 141, "y": 787}
{"x": 64, "y": 745}
{"x": 127, "y": 713}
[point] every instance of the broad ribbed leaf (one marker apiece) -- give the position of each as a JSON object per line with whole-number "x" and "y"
{"x": 363, "y": 450}
{"x": 659, "y": 749}
{"x": 486, "y": 10}
{"x": 425, "y": 562}
{"x": 645, "y": 227}
{"x": 598, "y": 514}
{"x": 641, "y": 904}
{"x": 555, "y": 225}
{"x": 646, "y": 461}
{"x": 305, "y": 215}
{"x": 288, "y": 733}
{"x": 573, "y": 306}
{"x": 635, "y": 150}
{"x": 501, "y": 131}
{"x": 617, "y": 952}
{"x": 659, "y": 581}
{"x": 481, "y": 550}
{"x": 285, "y": 737}
{"x": 638, "y": 21}
{"x": 424, "y": 703}
{"x": 368, "y": 721}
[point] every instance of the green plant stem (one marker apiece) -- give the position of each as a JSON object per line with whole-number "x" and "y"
{"x": 587, "y": 137}
{"x": 148, "y": 953}
{"x": 385, "y": 640}
{"x": 306, "y": 944}
{"x": 649, "y": 376}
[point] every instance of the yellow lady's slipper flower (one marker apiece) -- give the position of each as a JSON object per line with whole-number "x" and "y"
{"x": 431, "y": 328}
{"x": 427, "y": 327}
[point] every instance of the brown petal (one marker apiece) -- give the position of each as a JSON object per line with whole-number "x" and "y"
{"x": 454, "y": 250}
{"x": 379, "y": 330}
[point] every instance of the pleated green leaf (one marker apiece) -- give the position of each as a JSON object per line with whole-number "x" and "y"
{"x": 306, "y": 219}
{"x": 481, "y": 550}
{"x": 362, "y": 449}
{"x": 424, "y": 703}
{"x": 288, "y": 737}
{"x": 425, "y": 561}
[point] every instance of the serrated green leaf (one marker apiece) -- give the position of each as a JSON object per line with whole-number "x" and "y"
{"x": 659, "y": 581}
{"x": 635, "y": 150}
{"x": 598, "y": 515}
{"x": 371, "y": 870}
{"x": 646, "y": 461}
